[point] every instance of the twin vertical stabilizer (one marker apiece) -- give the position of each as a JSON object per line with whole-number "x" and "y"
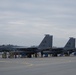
{"x": 46, "y": 42}
{"x": 70, "y": 44}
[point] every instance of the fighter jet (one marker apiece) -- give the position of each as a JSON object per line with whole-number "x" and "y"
{"x": 49, "y": 49}
{"x": 46, "y": 47}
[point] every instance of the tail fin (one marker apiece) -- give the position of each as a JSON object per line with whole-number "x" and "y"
{"x": 46, "y": 42}
{"x": 70, "y": 44}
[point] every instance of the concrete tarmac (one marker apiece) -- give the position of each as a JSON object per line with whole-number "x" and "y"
{"x": 38, "y": 66}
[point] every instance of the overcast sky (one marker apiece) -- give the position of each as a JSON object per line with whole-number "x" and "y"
{"x": 24, "y": 22}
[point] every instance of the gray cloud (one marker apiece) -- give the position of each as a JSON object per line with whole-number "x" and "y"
{"x": 24, "y": 22}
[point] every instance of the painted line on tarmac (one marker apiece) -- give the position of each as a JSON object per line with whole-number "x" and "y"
{"x": 23, "y": 63}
